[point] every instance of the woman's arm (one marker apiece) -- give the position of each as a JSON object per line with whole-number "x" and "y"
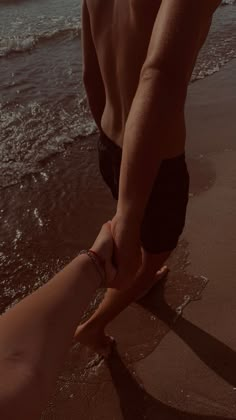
{"x": 37, "y": 333}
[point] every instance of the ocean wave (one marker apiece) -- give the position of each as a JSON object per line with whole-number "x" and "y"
{"x": 32, "y": 134}
{"x": 13, "y": 44}
{"x": 20, "y": 44}
{"x": 203, "y": 70}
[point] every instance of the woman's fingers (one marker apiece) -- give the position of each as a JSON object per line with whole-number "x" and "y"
{"x": 104, "y": 247}
{"x": 103, "y": 244}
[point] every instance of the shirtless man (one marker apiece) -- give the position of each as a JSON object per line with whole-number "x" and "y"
{"x": 138, "y": 59}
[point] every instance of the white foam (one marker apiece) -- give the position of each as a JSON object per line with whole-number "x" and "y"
{"x": 38, "y": 218}
{"x": 29, "y": 136}
{"x": 28, "y": 39}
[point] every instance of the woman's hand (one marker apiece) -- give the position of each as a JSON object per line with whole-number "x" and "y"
{"x": 104, "y": 247}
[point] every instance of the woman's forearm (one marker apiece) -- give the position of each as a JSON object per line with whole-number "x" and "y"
{"x": 37, "y": 333}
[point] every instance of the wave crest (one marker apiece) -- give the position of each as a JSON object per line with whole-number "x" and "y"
{"x": 17, "y": 44}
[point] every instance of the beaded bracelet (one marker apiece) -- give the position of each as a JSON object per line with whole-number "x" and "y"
{"x": 98, "y": 263}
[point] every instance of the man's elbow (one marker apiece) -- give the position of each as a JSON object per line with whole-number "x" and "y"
{"x": 173, "y": 87}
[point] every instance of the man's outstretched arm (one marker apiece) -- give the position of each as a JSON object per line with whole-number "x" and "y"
{"x": 91, "y": 71}
{"x": 155, "y": 128}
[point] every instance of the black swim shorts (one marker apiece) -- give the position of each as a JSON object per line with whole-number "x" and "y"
{"x": 165, "y": 213}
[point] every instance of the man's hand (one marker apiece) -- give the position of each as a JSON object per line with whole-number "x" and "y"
{"x": 118, "y": 244}
{"x": 127, "y": 251}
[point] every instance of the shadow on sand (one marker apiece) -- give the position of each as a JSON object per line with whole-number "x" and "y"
{"x": 135, "y": 402}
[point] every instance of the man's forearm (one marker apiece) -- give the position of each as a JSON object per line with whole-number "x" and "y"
{"x": 155, "y": 130}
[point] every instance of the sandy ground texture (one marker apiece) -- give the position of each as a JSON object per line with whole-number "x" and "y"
{"x": 194, "y": 367}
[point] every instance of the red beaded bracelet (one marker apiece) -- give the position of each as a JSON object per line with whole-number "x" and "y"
{"x": 98, "y": 263}
{"x": 101, "y": 261}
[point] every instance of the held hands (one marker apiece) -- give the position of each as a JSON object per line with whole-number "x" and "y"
{"x": 103, "y": 246}
{"x": 118, "y": 244}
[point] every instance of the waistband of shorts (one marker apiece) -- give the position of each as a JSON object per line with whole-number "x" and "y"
{"x": 109, "y": 143}
{"x": 114, "y": 148}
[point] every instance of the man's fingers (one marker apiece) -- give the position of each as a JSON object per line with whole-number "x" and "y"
{"x": 111, "y": 273}
{"x": 124, "y": 278}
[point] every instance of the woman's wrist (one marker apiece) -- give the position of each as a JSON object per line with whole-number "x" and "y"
{"x": 94, "y": 262}
{"x": 86, "y": 270}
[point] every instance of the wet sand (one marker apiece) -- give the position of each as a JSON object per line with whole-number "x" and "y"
{"x": 50, "y": 216}
{"x": 193, "y": 368}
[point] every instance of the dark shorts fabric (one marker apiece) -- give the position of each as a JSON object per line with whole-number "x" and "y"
{"x": 165, "y": 213}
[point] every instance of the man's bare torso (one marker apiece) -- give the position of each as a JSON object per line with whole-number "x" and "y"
{"x": 121, "y": 32}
